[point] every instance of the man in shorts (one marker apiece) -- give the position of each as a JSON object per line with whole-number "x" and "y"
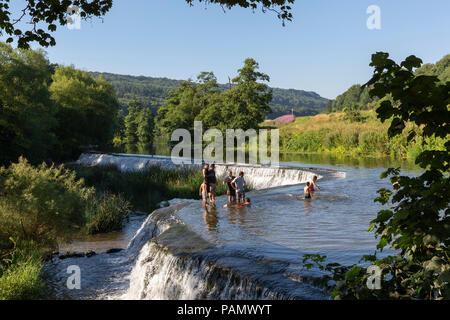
{"x": 230, "y": 190}
{"x": 239, "y": 184}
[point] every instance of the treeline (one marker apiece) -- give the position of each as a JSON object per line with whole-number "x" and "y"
{"x": 47, "y": 112}
{"x": 357, "y": 98}
{"x": 152, "y": 93}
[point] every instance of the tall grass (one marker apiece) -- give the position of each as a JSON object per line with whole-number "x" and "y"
{"x": 146, "y": 188}
{"x": 335, "y": 133}
{"x": 20, "y": 273}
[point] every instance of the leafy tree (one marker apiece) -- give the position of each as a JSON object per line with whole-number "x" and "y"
{"x": 356, "y": 97}
{"x": 417, "y": 224}
{"x": 243, "y": 106}
{"x": 440, "y": 69}
{"x": 47, "y": 14}
{"x": 280, "y": 7}
{"x": 27, "y": 115}
{"x": 138, "y": 129}
{"x": 87, "y": 113}
{"x": 186, "y": 103}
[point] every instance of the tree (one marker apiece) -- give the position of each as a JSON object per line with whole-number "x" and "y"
{"x": 47, "y": 14}
{"x": 27, "y": 114}
{"x": 44, "y": 15}
{"x": 186, "y": 103}
{"x": 138, "y": 129}
{"x": 249, "y": 99}
{"x": 87, "y": 112}
{"x": 417, "y": 224}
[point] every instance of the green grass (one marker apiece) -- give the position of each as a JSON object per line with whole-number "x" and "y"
{"x": 20, "y": 273}
{"x": 339, "y": 134}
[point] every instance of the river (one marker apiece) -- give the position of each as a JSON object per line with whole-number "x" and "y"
{"x": 253, "y": 252}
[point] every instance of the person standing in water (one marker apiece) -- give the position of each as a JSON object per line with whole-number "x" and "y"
{"x": 239, "y": 184}
{"x": 307, "y": 191}
{"x": 230, "y": 190}
{"x": 203, "y": 191}
{"x": 212, "y": 182}
{"x": 313, "y": 184}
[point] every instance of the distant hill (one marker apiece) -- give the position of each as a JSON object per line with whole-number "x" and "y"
{"x": 152, "y": 92}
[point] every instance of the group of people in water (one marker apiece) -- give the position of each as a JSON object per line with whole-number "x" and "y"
{"x": 308, "y": 190}
{"x": 235, "y": 187}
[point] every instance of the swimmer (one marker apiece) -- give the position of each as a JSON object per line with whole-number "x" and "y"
{"x": 307, "y": 190}
{"x": 247, "y": 202}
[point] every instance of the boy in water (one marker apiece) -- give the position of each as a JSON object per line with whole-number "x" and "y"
{"x": 203, "y": 191}
{"x": 247, "y": 202}
{"x": 239, "y": 184}
{"x": 307, "y": 191}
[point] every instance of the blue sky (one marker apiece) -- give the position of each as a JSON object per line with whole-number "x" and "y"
{"x": 325, "y": 49}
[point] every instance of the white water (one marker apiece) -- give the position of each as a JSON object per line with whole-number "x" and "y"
{"x": 257, "y": 176}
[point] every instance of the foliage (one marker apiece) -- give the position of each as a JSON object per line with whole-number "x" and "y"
{"x": 417, "y": 225}
{"x": 87, "y": 112}
{"x": 105, "y": 213}
{"x": 146, "y": 188}
{"x": 41, "y": 204}
{"x": 50, "y": 13}
{"x": 243, "y": 106}
{"x": 280, "y": 7}
{"x": 153, "y": 92}
{"x": 20, "y": 273}
{"x": 440, "y": 69}
{"x": 27, "y": 115}
{"x": 44, "y": 12}
{"x": 358, "y": 133}
{"x": 355, "y": 98}
{"x": 137, "y": 132}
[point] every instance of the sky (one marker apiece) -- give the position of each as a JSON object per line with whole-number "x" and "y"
{"x": 326, "y": 48}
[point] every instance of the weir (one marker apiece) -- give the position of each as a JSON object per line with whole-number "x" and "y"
{"x": 258, "y": 176}
{"x": 180, "y": 253}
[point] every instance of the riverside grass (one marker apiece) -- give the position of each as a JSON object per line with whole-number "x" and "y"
{"x": 336, "y": 133}
{"x": 146, "y": 188}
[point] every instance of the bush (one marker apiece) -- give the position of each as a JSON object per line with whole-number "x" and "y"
{"x": 106, "y": 213}
{"x": 41, "y": 204}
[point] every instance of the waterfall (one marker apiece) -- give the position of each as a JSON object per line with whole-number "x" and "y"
{"x": 258, "y": 176}
{"x": 170, "y": 261}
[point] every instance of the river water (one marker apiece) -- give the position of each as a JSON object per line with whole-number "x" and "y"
{"x": 180, "y": 252}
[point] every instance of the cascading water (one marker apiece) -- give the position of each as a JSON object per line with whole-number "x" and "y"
{"x": 179, "y": 252}
{"x": 258, "y": 176}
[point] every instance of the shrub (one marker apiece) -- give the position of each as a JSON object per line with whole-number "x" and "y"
{"x": 42, "y": 204}
{"x": 106, "y": 213}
